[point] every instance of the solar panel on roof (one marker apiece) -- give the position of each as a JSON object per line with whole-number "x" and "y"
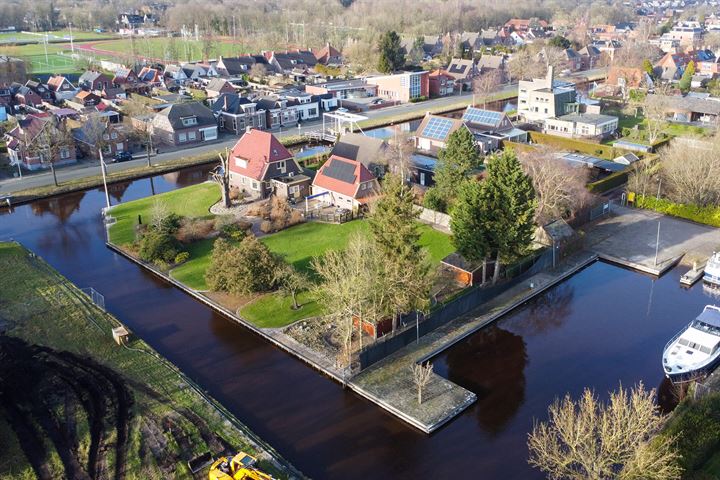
{"x": 482, "y": 117}
{"x": 437, "y": 128}
{"x": 339, "y": 170}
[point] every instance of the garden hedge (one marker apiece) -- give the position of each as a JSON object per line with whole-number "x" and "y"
{"x": 705, "y": 215}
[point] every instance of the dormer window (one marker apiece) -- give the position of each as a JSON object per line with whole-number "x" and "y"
{"x": 189, "y": 121}
{"x": 239, "y": 162}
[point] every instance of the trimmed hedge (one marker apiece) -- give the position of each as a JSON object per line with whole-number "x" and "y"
{"x": 607, "y": 152}
{"x": 705, "y": 215}
{"x": 611, "y": 181}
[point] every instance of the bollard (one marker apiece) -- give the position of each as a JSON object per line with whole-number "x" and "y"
{"x": 139, "y": 219}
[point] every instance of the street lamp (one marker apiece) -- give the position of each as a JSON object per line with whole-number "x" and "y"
{"x": 103, "y": 167}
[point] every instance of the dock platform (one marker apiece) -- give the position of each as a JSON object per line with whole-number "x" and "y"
{"x": 692, "y": 276}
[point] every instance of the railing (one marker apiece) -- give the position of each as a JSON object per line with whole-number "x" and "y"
{"x": 333, "y": 217}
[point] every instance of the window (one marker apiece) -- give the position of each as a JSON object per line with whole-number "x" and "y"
{"x": 64, "y": 153}
{"x": 281, "y": 166}
{"x": 422, "y": 178}
{"x": 239, "y": 162}
{"x": 189, "y": 121}
{"x": 192, "y": 135}
{"x": 182, "y": 137}
{"x": 295, "y": 189}
{"x": 255, "y": 186}
{"x": 113, "y": 135}
{"x": 106, "y": 136}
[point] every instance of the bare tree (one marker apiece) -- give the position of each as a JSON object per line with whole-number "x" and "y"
{"x": 691, "y": 173}
{"x": 655, "y": 108}
{"x": 486, "y": 83}
{"x": 222, "y": 176}
{"x": 142, "y": 127}
{"x": 524, "y": 65}
{"x": 291, "y": 281}
{"x": 258, "y": 72}
{"x": 95, "y": 131}
{"x": 560, "y": 188}
{"x": 615, "y": 440}
{"x": 421, "y": 377}
{"x": 54, "y": 142}
{"x": 159, "y": 212}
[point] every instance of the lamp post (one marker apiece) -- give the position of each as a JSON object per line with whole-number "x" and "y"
{"x": 103, "y": 166}
{"x": 657, "y": 244}
{"x": 659, "y": 185}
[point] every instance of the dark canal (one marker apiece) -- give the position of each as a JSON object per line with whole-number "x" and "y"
{"x": 602, "y": 326}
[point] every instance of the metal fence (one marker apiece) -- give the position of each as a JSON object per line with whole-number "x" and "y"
{"x": 96, "y": 297}
{"x": 410, "y": 330}
{"x": 331, "y": 217}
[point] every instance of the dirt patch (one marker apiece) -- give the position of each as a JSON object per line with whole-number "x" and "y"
{"x": 230, "y": 301}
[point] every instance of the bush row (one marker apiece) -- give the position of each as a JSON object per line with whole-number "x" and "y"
{"x": 608, "y": 183}
{"x": 607, "y": 152}
{"x": 696, "y": 427}
{"x": 705, "y": 215}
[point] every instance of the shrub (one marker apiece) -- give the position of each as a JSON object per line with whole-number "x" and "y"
{"x": 296, "y": 217}
{"x": 266, "y": 226}
{"x": 233, "y": 231}
{"x": 234, "y": 193}
{"x": 696, "y": 426}
{"x": 193, "y": 229}
{"x": 170, "y": 223}
{"x": 434, "y": 200}
{"x": 259, "y": 209}
{"x": 246, "y": 268}
{"x": 611, "y": 181}
{"x": 709, "y": 215}
{"x": 182, "y": 257}
{"x": 158, "y": 246}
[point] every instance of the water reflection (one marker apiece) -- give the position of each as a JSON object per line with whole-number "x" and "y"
{"x": 61, "y": 207}
{"x": 492, "y": 365}
{"x": 547, "y": 313}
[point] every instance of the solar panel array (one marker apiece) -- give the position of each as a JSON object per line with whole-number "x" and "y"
{"x": 482, "y": 117}
{"x": 437, "y": 128}
{"x": 339, "y": 170}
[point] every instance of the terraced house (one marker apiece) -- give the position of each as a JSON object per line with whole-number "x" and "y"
{"x": 185, "y": 123}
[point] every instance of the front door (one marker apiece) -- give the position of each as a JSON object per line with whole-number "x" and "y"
{"x": 422, "y": 178}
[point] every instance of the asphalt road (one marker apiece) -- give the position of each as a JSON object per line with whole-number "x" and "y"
{"x": 92, "y": 168}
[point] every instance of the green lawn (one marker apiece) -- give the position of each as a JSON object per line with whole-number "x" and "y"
{"x": 273, "y": 310}
{"x": 58, "y": 35}
{"x": 192, "y": 272}
{"x": 194, "y": 201}
{"x": 156, "y": 47}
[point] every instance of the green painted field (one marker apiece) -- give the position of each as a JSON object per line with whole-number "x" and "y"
{"x": 194, "y": 201}
{"x": 54, "y": 36}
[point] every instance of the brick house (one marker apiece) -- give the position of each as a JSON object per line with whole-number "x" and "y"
{"x": 441, "y": 84}
{"x": 328, "y": 55}
{"x": 86, "y": 99}
{"x": 235, "y": 113}
{"x": 434, "y": 131}
{"x": 218, "y": 86}
{"x": 185, "y": 124}
{"x": 345, "y": 183}
{"x": 114, "y": 140}
{"x": 25, "y": 95}
{"x": 260, "y": 165}
{"x": 94, "y": 80}
{"x": 38, "y": 140}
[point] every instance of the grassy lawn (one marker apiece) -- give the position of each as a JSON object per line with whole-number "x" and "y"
{"x": 156, "y": 47}
{"x": 194, "y": 201}
{"x": 10, "y": 37}
{"x": 192, "y": 272}
{"x": 274, "y": 310}
{"x": 41, "y": 307}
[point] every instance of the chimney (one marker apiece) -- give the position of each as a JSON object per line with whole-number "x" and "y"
{"x": 549, "y": 77}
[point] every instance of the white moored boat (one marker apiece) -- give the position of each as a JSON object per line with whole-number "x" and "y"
{"x": 695, "y": 350}
{"x": 712, "y": 270}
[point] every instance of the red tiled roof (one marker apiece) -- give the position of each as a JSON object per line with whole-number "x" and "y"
{"x": 360, "y": 174}
{"x": 55, "y": 82}
{"x": 258, "y": 149}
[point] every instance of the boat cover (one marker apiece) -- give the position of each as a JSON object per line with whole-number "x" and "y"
{"x": 710, "y": 316}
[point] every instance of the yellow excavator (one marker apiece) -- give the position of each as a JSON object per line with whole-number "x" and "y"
{"x": 239, "y": 467}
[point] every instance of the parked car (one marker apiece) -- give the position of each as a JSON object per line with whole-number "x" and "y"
{"x": 123, "y": 156}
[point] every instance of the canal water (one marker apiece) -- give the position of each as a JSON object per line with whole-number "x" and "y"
{"x": 602, "y": 326}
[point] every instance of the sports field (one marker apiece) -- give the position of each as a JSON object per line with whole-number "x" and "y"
{"x": 158, "y": 48}
{"x": 55, "y": 36}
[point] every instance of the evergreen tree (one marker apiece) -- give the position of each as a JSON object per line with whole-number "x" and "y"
{"x": 391, "y": 55}
{"x": 510, "y": 203}
{"x": 560, "y": 42}
{"x": 394, "y": 228}
{"x": 471, "y": 237}
{"x": 241, "y": 269}
{"x": 687, "y": 75}
{"x": 648, "y": 68}
{"x": 455, "y": 162}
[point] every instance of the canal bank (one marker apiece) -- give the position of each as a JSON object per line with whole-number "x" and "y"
{"x": 600, "y": 326}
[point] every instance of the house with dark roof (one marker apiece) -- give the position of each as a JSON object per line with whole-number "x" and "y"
{"x": 175, "y": 73}
{"x": 289, "y": 61}
{"x": 39, "y": 140}
{"x": 86, "y": 99}
{"x": 278, "y": 112}
{"x": 688, "y": 108}
{"x": 237, "y": 66}
{"x": 26, "y": 96}
{"x": 434, "y": 131}
{"x": 490, "y": 128}
{"x": 589, "y": 57}
{"x": 41, "y": 89}
{"x": 94, "y": 80}
{"x": 185, "y": 124}
{"x": 125, "y": 76}
{"x": 345, "y": 183}
{"x": 260, "y": 165}
{"x": 370, "y": 151}
{"x": 236, "y": 114}
{"x": 463, "y": 71}
{"x": 61, "y": 87}
{"x": 218, "y": 86}
{"x": 151, "y": 76}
